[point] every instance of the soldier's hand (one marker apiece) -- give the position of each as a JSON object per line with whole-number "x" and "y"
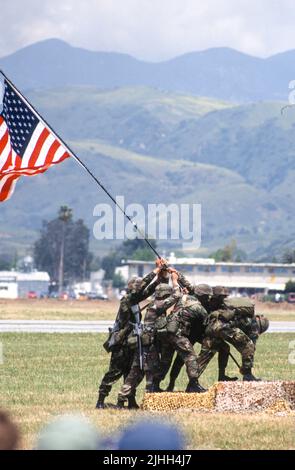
{"x": 164, "y": 263}
{"x": 174, "y": 276}
{"x": 163, "y": 274}
{"x": 159, "y": 262}
{"x": 171, "y": 270}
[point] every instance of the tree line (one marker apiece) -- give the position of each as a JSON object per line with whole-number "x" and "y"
{"x": 62, "y": 250}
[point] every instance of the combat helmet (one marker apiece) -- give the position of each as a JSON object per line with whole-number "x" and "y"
{"x": 263, "y": 323}
{"x": 203, "y": 289}
{"x": 134, "y": 283}
{"x": 220, "y": 291}
{"x": 163, "y": 290}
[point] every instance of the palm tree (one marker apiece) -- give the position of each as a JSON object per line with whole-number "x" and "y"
{"x": 65, "y": 215}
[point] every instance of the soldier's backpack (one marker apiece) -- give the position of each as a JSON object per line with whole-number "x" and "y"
{"x": 242, "y": 306}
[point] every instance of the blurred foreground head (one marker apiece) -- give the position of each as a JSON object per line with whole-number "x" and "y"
{"x": 151, "y": 435}
{"x": 9, "y": 435}
{"x": 68, "y": 432}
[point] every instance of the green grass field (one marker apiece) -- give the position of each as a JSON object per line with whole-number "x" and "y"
{"x": 51, "y": 309}
{"x": 46, "y": 374}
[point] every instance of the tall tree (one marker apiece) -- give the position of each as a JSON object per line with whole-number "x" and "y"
{"x": 63, "y": 245}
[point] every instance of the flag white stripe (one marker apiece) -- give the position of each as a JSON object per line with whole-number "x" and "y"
{"x": 58, "y": 154}
{"x": 5, "y": 154}
{"x": 13, "y": 157}
{"x": 3, "y": 129}
{"x": 32, "y": 144}
{"x": 44, "y": 151}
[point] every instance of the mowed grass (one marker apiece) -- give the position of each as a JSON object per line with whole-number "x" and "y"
{"x": 52, "y": 309}
{"x": 46, "y": 374}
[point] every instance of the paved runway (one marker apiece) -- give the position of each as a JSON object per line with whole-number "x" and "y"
{"x": 101, "y": 326}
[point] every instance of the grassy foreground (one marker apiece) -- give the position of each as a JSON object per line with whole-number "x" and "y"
{"x": 52, "y": 309}
{"x": 46, "y": 374}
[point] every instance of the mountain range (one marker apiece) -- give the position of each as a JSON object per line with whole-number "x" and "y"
{"x": 221, "y": 73}
{"x": 160, "y": 143}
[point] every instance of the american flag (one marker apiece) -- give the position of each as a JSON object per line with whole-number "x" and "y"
{"x": 27, "y": 146}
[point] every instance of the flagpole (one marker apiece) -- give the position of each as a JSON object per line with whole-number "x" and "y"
{"x": 80, "y": 162}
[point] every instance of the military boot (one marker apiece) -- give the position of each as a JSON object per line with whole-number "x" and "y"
{"x": 120, "y": 404}
{"x": 100, "y": 402}
{"x": 249, "y": 377}
{"x": 195, "y": 387}
{"x": 171, "y": 386}
{"x": 222, "y": 377}
{"x": 156, "y": 387}
{"x": 132, "y": 405}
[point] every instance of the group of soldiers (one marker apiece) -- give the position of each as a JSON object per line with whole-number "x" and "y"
{"x": 177, "y": 315}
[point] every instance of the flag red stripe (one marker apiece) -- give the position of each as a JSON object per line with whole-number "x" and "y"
{"x": 7, "y": 188}
{"x": 3, "y": 141}
{"x": 50, "y": 156}
{"x": 34, "y": 171}
{"x": 33, "y": 158}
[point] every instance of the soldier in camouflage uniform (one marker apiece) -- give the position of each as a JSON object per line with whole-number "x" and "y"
{"x": 121, "y": 357}
{"x": 165, "y": 297}
{"x": 186, "y": 312}
{"x": 238, "y": 326}
{"x": 204, "y": 293}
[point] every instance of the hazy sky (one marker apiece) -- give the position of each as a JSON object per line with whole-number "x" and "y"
{"x": 151, "y": 29}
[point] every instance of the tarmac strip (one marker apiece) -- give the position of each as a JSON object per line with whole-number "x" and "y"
{"x": 100, "y": 326}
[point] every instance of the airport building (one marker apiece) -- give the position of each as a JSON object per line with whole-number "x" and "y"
{"x": 247, "y": 278}
{"x": 14, "y": 284}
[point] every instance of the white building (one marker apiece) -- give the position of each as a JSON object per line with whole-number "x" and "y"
{"x": 14, "y": 284}
{"x": 238, "y": 277}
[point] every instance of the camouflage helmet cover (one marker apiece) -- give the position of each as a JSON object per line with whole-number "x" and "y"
{"x": 163, "y": 290}
{"x": 203, "y": 289}
{"x": 220, "y": 291}
{"x": 134, "y": 283}
{"x": 263, "y": 323}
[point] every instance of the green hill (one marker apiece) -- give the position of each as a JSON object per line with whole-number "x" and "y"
{"x": 152, "y": 146}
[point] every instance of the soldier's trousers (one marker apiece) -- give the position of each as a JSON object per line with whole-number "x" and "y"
{"x": 183, "y": 346}
{"x": 132, "y": 379}
{"x": 234, "y": 336}
{"x": 209, "y": 348}
{"x": 120, "y": 365}
{"x": 152, "y": 365}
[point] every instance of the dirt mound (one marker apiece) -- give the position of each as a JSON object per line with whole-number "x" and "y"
{"x": 233, "y": 397}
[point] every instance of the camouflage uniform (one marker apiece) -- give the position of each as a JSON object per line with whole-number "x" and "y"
{"x": 179, "y": 327}
{"x": 121, "y": 355}
{"x": 226, "y": 325}
{"x": 197, "y": 335}
{"x": 155, "y": 310}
